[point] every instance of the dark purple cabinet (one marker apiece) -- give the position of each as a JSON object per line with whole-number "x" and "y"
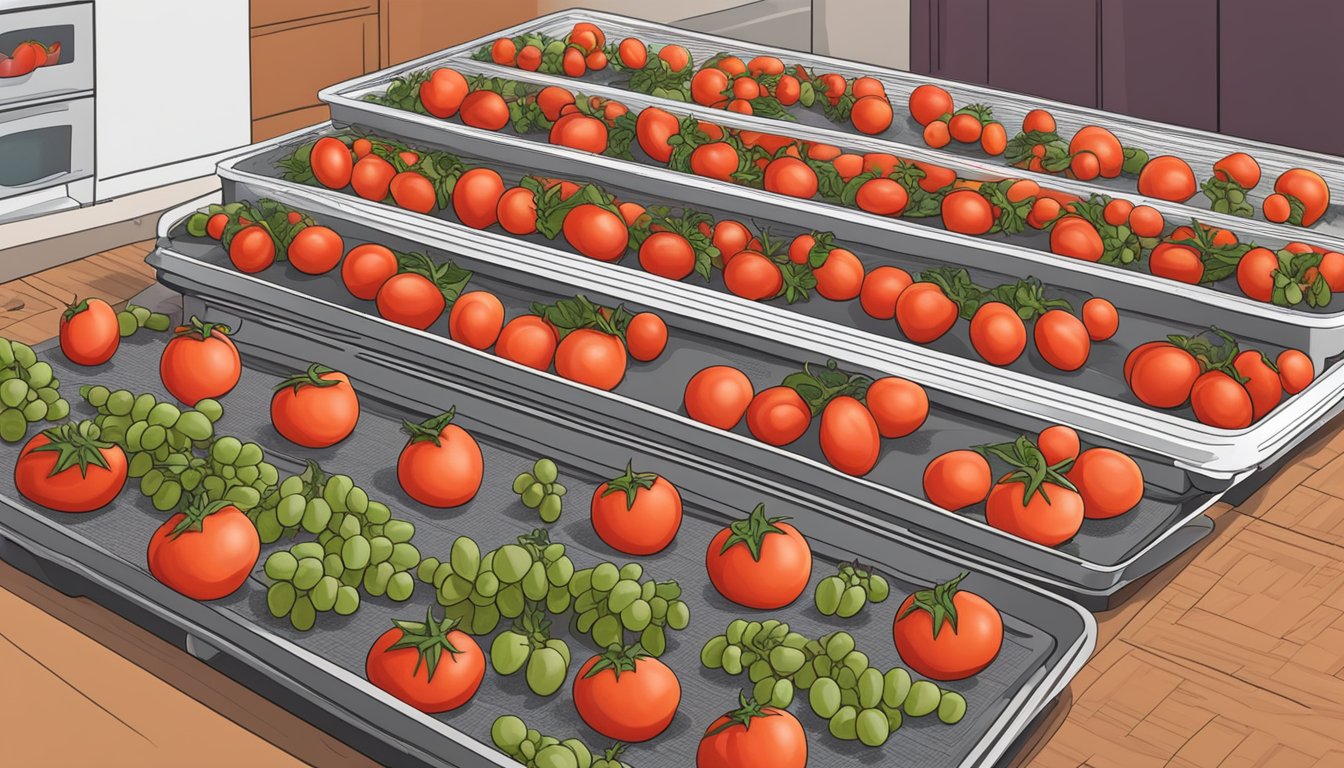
{"x": 1046, "y": 48}
{"x": 1281, "y": 72}
{"x": 1159, "y": 59}
{"x": 950, "y": 39}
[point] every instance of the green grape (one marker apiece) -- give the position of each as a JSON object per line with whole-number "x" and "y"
{"x": 324, "y": 592}
{"x": 281, "y": 566}
{"x": 522, "y": 482}
{"x": 119, "y": 403}
{"x": 126, "y": 324}
{"x": 400, "y": 587}
{"x": 6, "y": 352}
{"x": 164, "y": 415}
{"x": 380, "y": 549}
{"x": 267, "y": 474}
{"x": 952, "y": 708}
{"x": 378, "y": 513}
{"x": 336, "y": 489}
{"x": 290, "y": 510}
{"x": 355, "y": 552}
{"x": 193, "y": 425}
{"x": 292, "y": 486}
{"x": 306, "y": 549}
{"x": 349, "y": 525}
{"x": 12, "y": 425}
{"x": 545, "y": 471}
{"x": 405, "y": 556}
{"x": 139, "y": 464}
{"x": 399, "y": 531}
{"x": 425, "y": 571}
{"x": 211, "y": 409}
{"x": 250, "y": 454}
{"x": 35, "y": 411}
{"x": 605, "y": 576}
{"x": 316, "y": 514}
{"x": 13, "y": 392}
{"x": 465, "y": 558}
{"x": 268, "y": 528}
{"x": 49, "y": 394}
{"x": 57, "y": 411}
{"x": 376, "y": 578}
{"x": 280, "y": 598}
{"x": 357, "y": 500}
{"x": 347, "y": 600}
{"x": 168, "y": 495}
{"x": 23, "y": 354}
{"x": 558, "y": 600}
{"x": 511, "y": 563}
{"x": 158, "y": 322}
{"x": 39, "y": 374}
{"x": 549, "y": 508}
{"x": 332, "y": 565}
{"x": 532, "y": 495}
{"x": 923, "y": 699}
{"x": 143, "y": 404}
{"x": 302, "y": 615}
{"x": 307, "y": 573}
{"x": 225, "y": 450}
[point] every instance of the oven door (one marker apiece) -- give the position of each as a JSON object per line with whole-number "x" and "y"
{"x": 45, "y": 146}
{"x": 67, "y": 30}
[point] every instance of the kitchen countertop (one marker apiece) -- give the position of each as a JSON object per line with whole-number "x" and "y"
{"x": 1231, "y": 656}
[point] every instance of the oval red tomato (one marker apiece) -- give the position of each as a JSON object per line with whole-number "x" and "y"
{"x": 206, "y": 552}
{"x": 315, "y": 409}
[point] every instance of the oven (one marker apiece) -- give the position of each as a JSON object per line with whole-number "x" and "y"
{"x": 46, "y": 107}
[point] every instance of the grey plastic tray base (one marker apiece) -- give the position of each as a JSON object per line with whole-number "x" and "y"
{"x": 1046, "y": 638}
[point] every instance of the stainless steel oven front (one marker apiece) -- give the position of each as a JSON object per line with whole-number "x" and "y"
{"x": 63, "y": 66}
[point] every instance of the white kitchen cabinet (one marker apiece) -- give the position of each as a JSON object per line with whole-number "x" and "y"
{"x": 172, "y": 90}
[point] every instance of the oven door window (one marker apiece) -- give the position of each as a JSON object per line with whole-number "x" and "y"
{"x": 33, "y": 155}
{"x": 57, "y": 43}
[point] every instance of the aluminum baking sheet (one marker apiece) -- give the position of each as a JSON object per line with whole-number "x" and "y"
{"x": 1222, "y": 302}
{"x": 1046, "y": 639}
{"x": 1109, "y": 410}
{"x": 1201, "y": 149}
{"x": 1104, "y": 556}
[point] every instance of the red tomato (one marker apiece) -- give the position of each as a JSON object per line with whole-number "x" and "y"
{"x": 412, "y": 191}
{"x": 410, "y": 299}
{"x": 1062, "y": 340}
{"x": 626, "y": 695}
{"x": 593, "y": 357}
{"x": 753, "y": 276}
{"x": 924, "y": 313}
{"x": 646, "y": 336}
{"x": 638, "y": 513}
{"x": 997, "y": 333}
{"x": 485, "y": 109}
{"x": 372, "y": 178}
{"x": 200, "y": 362}
{"x": 881, "y": 290}
{"x": 653, "y": 128}
{"x": 441, "y": 464}
{"x": 849, "y": 436}
{"x": 759, "y": 562}
{"x": 315, "y": 250}
{"x": 579, "y": 131}
{"x": 430, "y": 665}
{"x": 442, "y": 94}
{"x": 957, "y": 479}
{"x": 476, "y": 319}
{"x": 1100, "y": 318}
{"x": 634, "y": 54}
{"x": 1162, "y": 375}
{"x": 206, "y": 552}
{"x": 790, "y": 176}
{"x": 366, "y": 268}
{"x": 92, "y": 474}
{"x": 718, "y": 396}
{"x": 1221, "y": 401}
{"x": 968, "y": 212}
{"x": 899, "y": 407}
{"x": 315, "y": 409}
{"x": 1050, "y": 516}
{"x": 1168, "y": 178}
{"x": 778, "y": 415}
{"x": 753, "y": 736}
{"x": 1262, "y": 382}
{"x": 517, "y": 211}
{"x": 1295, "y": 370}
{"x": 331, "y": 163}
{"x": 667, "y": 254}
{"x": 840, "y": 277}
{"x": 1110, "y": 482}
{"x": 527, "y": 340}
{"x": 963, "y": 639}
{"x": 476, "y": 197}
{"x": 1058, "y": 444}
{"x": 731, "y": 238}
{"x": 1176, "y": 262}
{"x": 89, "y": 332}
{"x": 252, "y": 249}
{"x": 928, "y": 103}
{"x": 596, "y": 232}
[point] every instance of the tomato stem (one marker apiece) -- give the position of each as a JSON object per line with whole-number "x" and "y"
{"x": 193, "y": 516}
{"x": 197, "y": 329}
{"x": 1029, "y": 467}
{"x": 752, "y": 531}
{"x": 312, "y": 377}
{"x": 618, "y": 659}
{"x": 429, "y": 638}
{"x": 429, "y": 429}
{"x": 748, "y": 710}
{"x": 76, "y": 444}
{"x": 939, "y": 604}
{"x": 630, "y": 483}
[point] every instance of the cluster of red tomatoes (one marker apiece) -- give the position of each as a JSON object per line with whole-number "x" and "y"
{"x": 1225, "y": 386}
{"x": 855, "y": 413}
{"x": 28, "y": 56}
{"x": 764, "y": 85}
{"x": 1050, "y": 488}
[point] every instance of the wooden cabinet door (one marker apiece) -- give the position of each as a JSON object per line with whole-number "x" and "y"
{"x": 1159, "y": 60}
{"x": 415, "y": 28}
{"x": 1047, "y": 48}
{"x": 291, "y": 65}
{"x": 950, "y": 39}
{"x": 1280, "y": 72}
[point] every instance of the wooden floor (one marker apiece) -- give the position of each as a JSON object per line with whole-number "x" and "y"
{"x": 1232, "y": 656}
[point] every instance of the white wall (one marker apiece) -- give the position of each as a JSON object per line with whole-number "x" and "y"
{"x": 172, "y": 84}
{"x": 870, "y": 31}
